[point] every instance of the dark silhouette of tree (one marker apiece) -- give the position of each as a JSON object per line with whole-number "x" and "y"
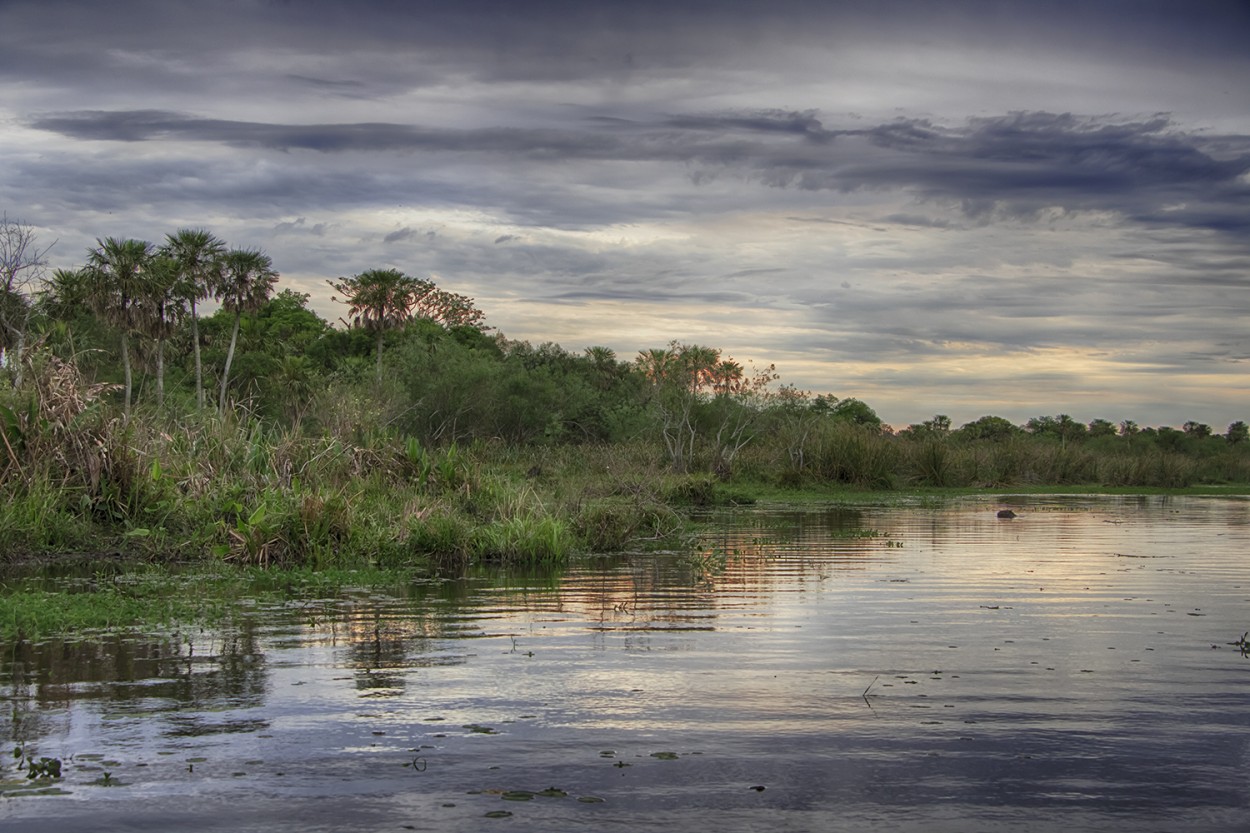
{"x": 1197, "y": 430}
{"x": 1102, "y": 428}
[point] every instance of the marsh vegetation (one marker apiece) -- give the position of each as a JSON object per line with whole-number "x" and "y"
{"x": 415, "y": 435}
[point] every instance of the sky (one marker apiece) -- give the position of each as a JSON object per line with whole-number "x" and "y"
{"x": 966, "y": 208}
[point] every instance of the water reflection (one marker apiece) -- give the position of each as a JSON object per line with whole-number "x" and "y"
{"x": 889, "y": 668}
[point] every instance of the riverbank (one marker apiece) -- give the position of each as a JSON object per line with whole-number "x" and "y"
{"x": 357, "y": 490}
{"x": 101, "y": 592}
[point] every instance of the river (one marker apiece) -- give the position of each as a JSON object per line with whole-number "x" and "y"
{"x": 925, "y": 666}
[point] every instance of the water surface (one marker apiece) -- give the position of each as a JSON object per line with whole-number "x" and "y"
{"x": 899, "y": 668}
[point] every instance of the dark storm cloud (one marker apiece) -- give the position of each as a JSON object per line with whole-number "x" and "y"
{"x": 805, "y": 124}
{"x": 1012, "y": 166}
{"x": 400, "y": 235}
{"x": 1022, "y": 163}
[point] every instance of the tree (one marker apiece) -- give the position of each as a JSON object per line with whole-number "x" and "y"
{"x": 853, "y": 410}
{"x": 676, "y": 375}
{"x": 1238, "y": 432}
{"x": 379, "y": 300}
{"x": 694, "y": 390}
{"x": 604, "y": 365}
{"x": 1062, "y": 427}
{"x": 1198, "y": 430}
{"x": 1102, "y": 428}
{"x": 22, "y": 262}
{"x": 119, "y": 271}
{"x": 450, "y": 309}
{"x": 198, "y": 258}
{"x": 1168, "y": 438}
{"x": 160, "y": 307}
{"x": 247, "y": 280}
{"x": 993, "y": 428}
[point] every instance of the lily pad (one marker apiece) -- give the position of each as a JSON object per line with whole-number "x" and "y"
{"x": 498, "y": 814}
{"x": 665, "y": 756}
{"x": 39, "y": 791}
{"x": 518, "y": 795}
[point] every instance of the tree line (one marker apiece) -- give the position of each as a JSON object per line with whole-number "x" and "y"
{"x": 424, "y": 358}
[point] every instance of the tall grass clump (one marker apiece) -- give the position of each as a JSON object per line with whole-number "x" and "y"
{"x": 932, "y": 462}
{"x": 536, "y": 540}
{"x": 854, "y": 455}
{"x": 66, "y": 462}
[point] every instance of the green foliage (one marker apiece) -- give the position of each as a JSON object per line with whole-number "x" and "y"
{"x": 524, "y": 539}
{"x": 1238, "y": 432}
{"x": 988, "y": 428}
{"x": 932, "y": 463}
{"x": 43, "y": 767}
{"x": 471, "y": 448}
{"x": 854, "y": 411}
{"x": 854, "y": 454}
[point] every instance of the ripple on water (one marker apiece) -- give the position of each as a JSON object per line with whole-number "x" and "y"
{"x": 882, "y": 668}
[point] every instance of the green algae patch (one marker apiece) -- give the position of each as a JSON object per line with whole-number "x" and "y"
{"x": 109, "y": 598}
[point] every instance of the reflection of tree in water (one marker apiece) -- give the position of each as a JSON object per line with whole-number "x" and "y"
{"x": 229, "y": 670}
{"x": 385, "y": 639}
{"x": 752, "y": 554}
{"x": 380, "y": 646}
{"x": 169, "y": 672}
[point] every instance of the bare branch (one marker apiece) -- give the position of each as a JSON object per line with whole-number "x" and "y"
{"x": 22, "y": 261}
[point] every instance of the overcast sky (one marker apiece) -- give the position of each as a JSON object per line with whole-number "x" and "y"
{"x": 966, "y": 208}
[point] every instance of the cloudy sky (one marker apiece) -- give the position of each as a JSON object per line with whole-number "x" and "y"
{"x": 1011, "y": 208}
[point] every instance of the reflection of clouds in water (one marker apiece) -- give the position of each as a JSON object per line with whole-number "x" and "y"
{"x": 1045, "y": 667}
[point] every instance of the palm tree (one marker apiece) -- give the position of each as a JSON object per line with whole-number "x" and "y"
{"x": 247, "y": 281}
{"x": 62, "y": 301}
{"x": 119, "y": 270}
{"x": 603, "y": 361}
{"x": 656, "y": 364}
{"x": 198, "y": 256}
{"x": 379, "y": 300}
{"x": 159, "y": 309}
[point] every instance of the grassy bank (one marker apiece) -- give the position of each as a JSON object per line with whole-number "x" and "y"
{"x": 169, "y": 486}
{"x": 171, "y": 483}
